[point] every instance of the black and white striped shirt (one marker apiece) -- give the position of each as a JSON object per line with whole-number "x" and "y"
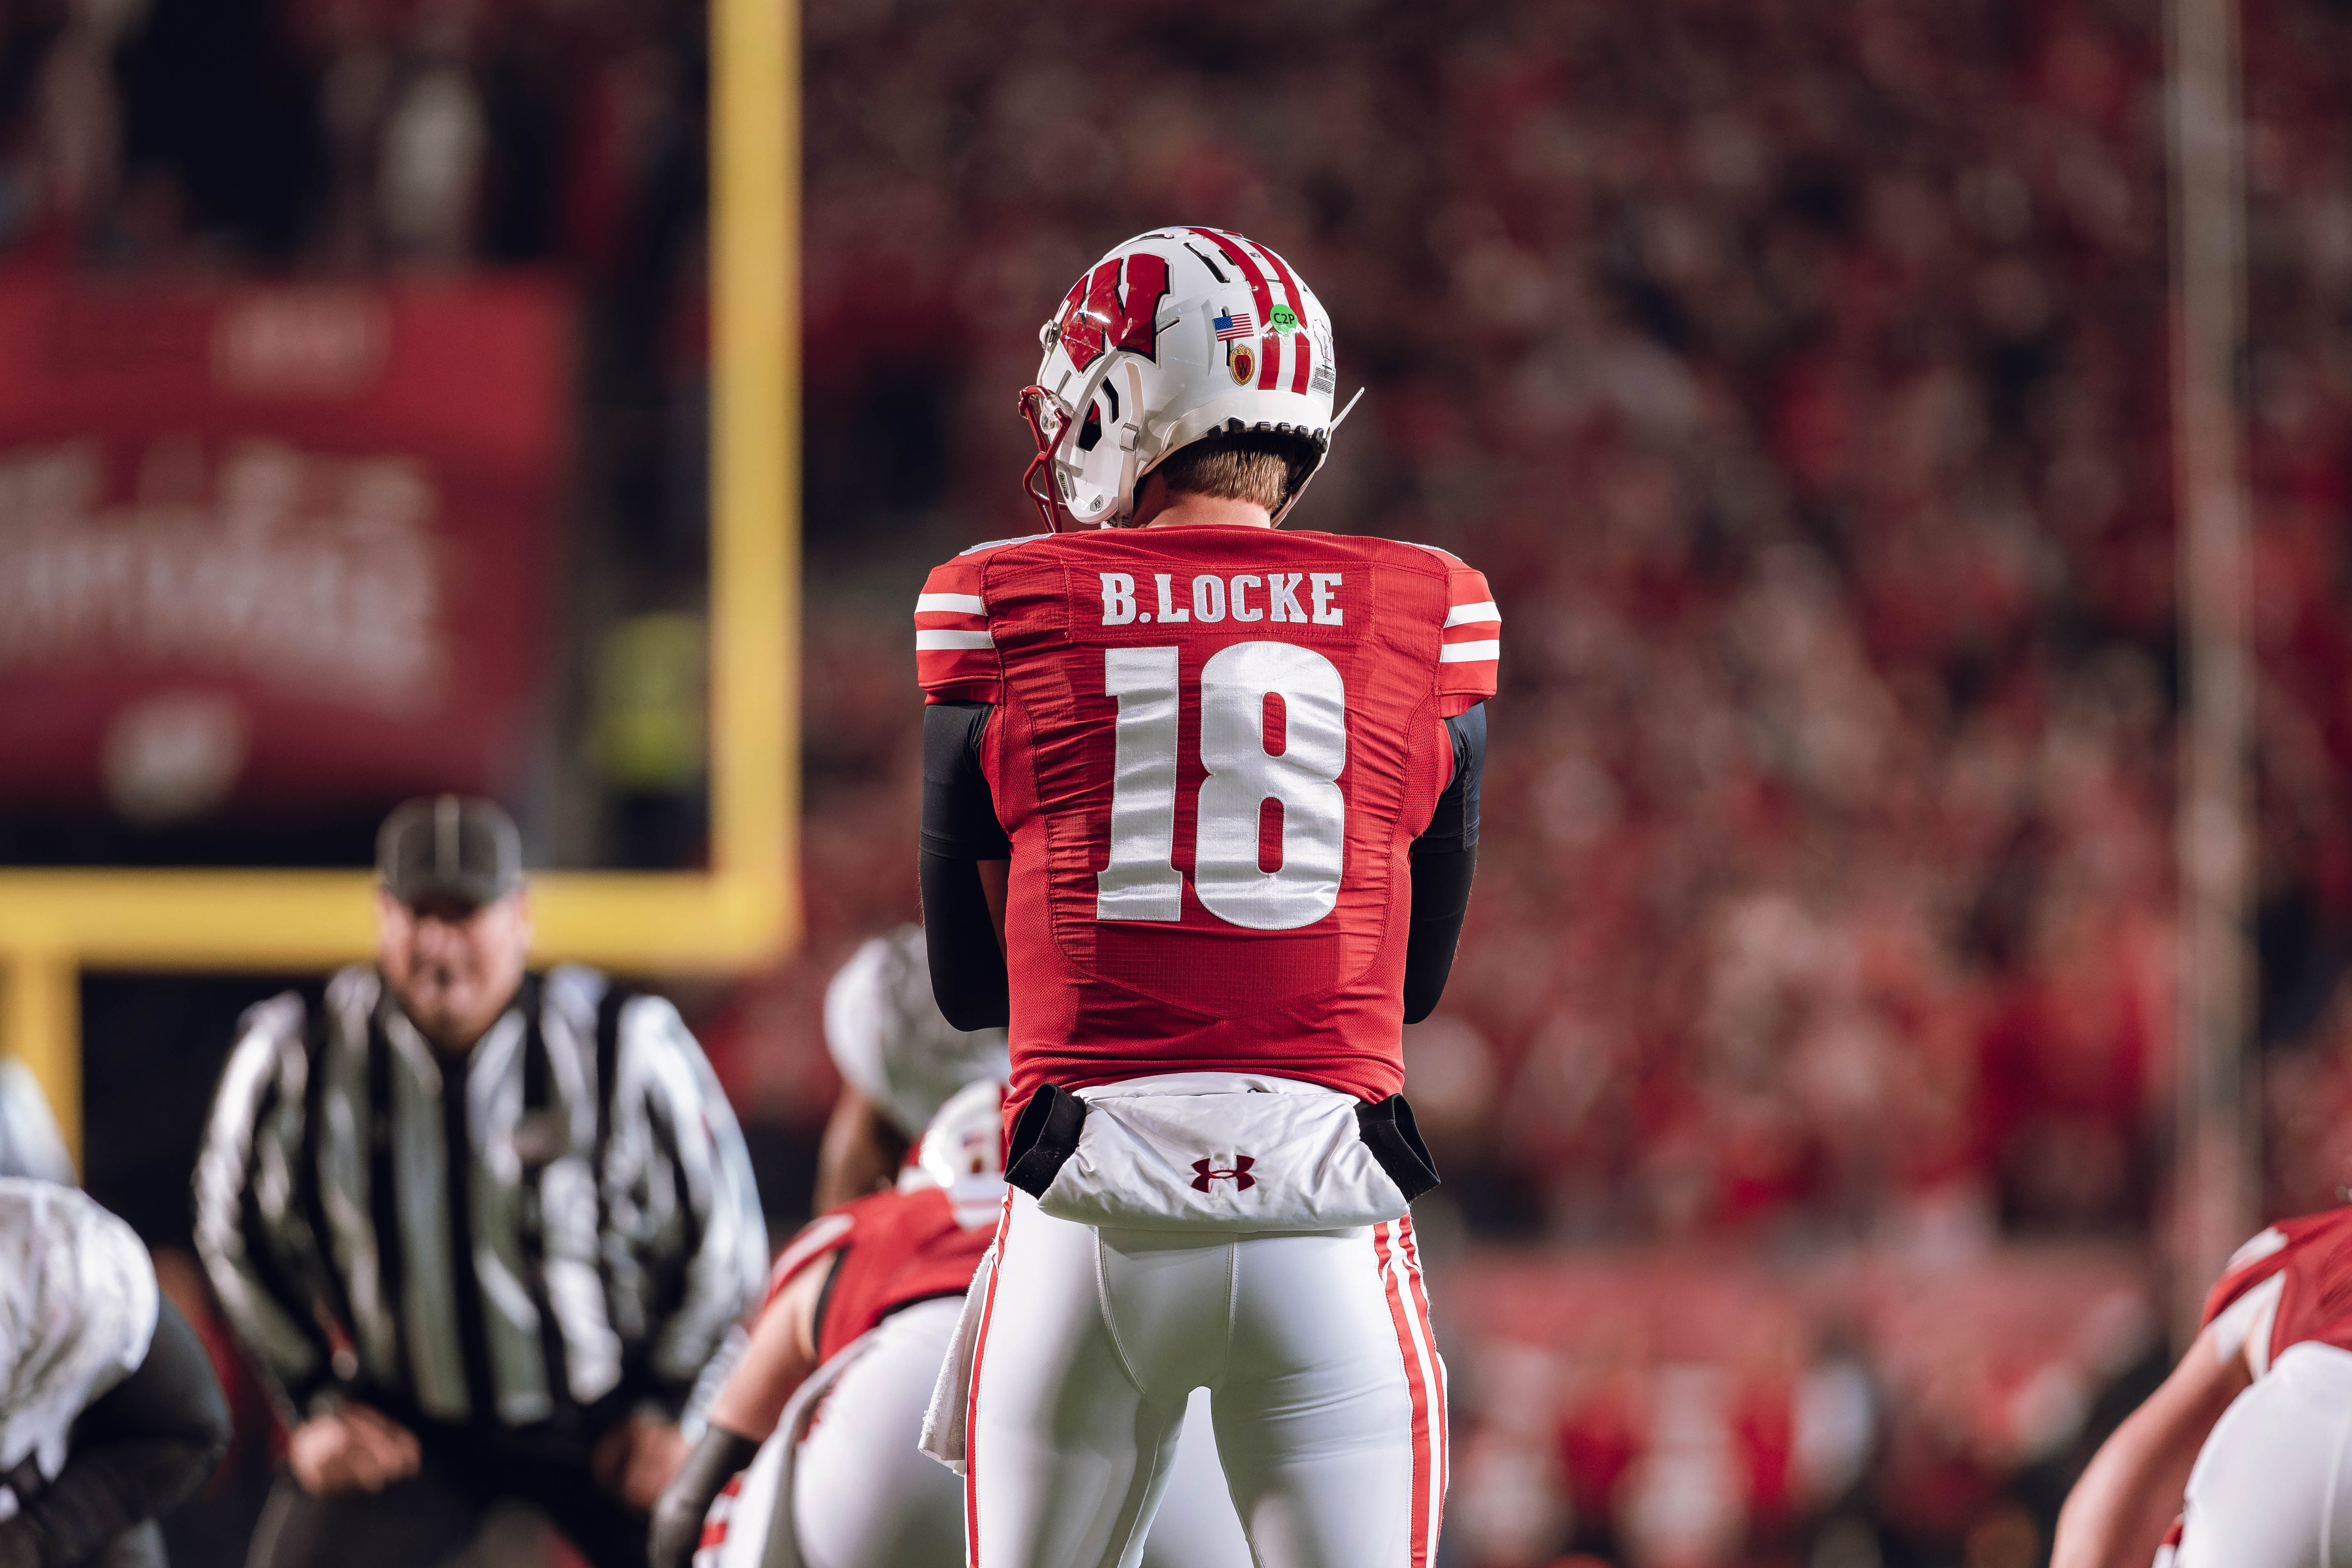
{"x": 562, "y": 1218}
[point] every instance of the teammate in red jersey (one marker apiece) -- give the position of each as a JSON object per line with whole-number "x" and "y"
{"x": 860, "y": 1304}
{"x": 2250, "y": 1430}
{"x": 1200, "y": 818}
{"x": 810, "y": 1456}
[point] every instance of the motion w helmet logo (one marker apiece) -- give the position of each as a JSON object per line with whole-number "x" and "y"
{"x": 1204, "y": 1172}
{"x": 1094, "y": 315}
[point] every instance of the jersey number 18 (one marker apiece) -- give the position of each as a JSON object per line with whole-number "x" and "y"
{"x": 1142, "y": 882}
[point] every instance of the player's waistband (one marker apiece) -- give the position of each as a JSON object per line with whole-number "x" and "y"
{"x": 1184, "y": 1083}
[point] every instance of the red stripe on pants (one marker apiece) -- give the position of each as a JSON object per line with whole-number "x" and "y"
{"x": 1442, "y": 1448}
{"x": 971, "y": 1395}
{"x": 1400, "y": 1311}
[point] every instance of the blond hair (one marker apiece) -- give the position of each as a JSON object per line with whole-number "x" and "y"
{"x": 1260, "y": 467}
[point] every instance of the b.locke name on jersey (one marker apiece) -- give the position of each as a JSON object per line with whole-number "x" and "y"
{"x": 1210, "y": 598}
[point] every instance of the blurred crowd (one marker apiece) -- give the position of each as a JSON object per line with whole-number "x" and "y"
{"x": 1797, "y": 371}
{"x": 1798, "y": 374}
{"x": 351, "y": 136}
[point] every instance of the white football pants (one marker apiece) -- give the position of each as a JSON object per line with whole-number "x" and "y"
{"x": 1328, "y": 1395}
{"x": 865, "y": 1497}
{"x": 2272, "y": 1485}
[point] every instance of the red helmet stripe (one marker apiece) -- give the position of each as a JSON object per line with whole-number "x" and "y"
{"x": 1269, "y": 358}
{"x": 1289, "y": 284}
{"x": 1250, "y": 271}
{"x": 1304, "y": 356}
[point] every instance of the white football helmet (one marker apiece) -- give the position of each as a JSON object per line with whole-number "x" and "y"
{"x": 1174, "y": 335}
{"x": 888, "y": 1038}
{"x": 963, "y": 1149}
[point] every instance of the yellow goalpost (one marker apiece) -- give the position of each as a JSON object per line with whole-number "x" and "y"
{"x": 745, "y": 911}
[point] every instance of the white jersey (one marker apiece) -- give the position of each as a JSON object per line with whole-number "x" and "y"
{"x": 78, "y": 1304}
{"x": 889, "y": 1038}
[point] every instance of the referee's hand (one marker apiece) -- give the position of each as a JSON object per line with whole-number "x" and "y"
{"x": 351, "y": 1449}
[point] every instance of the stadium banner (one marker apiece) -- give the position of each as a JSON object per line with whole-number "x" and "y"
{"x": 277, "y": 543}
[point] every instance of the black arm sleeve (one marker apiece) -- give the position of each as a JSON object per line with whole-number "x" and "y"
{"x": 1444, "y": 858}
{"x": 676, "y": 1528}
{"x": 1454, "y": 825}
{"x": 139, "y": 1452}
{"x": 961, "y": 829}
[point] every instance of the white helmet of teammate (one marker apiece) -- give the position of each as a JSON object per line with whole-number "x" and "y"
{"x": 1174, "y": 335}
{"x": 887, "y": 1036}
{"x": 963, "y": 1148}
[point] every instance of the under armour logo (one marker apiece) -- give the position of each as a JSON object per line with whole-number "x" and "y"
{"x": 1203, "y": 1174}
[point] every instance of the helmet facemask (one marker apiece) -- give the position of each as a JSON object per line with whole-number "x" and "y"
{"x": 1086, "y": 462}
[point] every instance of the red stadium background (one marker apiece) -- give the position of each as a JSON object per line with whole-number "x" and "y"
{"x": 1799, "y": 375}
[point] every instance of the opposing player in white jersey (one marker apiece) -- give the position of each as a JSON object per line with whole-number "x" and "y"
{"x": 818, "y": 1423}
{"x": 1199, "y": 825}
{"x": 110, "y": 1413}
{"x": 2245, "y": 1451}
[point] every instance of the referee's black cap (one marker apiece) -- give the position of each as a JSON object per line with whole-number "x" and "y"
{"x": 450, "y": 848}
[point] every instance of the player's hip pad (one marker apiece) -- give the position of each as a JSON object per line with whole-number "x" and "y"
{"x": 1220, "y": 1151}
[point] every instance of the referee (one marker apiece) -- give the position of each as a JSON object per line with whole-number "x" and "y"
{"x": 480, "y": 1227}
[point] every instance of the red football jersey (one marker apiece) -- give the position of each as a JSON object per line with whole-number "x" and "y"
{"x": 1211, "y": 748}
{"x": 894, "y": 1249}
{"x": 2315, "y": 1254}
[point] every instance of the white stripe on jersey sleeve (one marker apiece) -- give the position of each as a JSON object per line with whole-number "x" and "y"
{"x": 934, "y": 642}
{"x": 2246, "y": 1326}
{"x": 999, "y": 543}
{"x": 2257, "y": 1247}
{"x": 950, "y": 604}
{"x": 1471, "y": 615}
{"x": 824, "y": 1234}
{"x": 1470, "y": 652}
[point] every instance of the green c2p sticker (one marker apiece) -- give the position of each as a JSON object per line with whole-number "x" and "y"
{"x": 1283, "y": 317}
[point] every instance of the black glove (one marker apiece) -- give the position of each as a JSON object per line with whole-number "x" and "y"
{"x": 678, "y": 1518}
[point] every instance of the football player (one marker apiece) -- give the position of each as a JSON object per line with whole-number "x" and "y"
{"x": 110, "y": 1413}
{"x": 811, "y": 1458}
{"x": 2245, "y": 1450}
{"x": 1199, "y": 821}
